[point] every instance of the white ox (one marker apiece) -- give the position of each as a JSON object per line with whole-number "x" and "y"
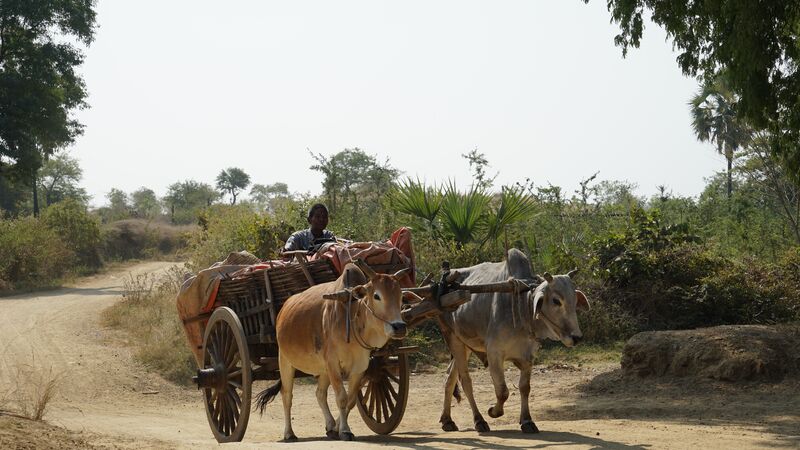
{"x": 503, "y": 327}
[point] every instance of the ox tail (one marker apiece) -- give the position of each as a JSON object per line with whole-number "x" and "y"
{"x": 266, "y": 396}
{"x": 456, "y": 390}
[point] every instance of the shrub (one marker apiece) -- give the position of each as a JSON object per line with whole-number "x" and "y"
{"x": 225, "y": 228}
{"x": 79, "y": 230}
{"x": 31, "y": 254}
{"x": 147, "y": 313}
{"x": 667, "y": 279}
{"x": 139, "y": 238}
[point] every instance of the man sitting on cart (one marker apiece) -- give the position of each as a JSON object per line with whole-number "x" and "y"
{"x": 314, "y": 236}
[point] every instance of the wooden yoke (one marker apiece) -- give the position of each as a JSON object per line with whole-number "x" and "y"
{"x": 450, "y": 301}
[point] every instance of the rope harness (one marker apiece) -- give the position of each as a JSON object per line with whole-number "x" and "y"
{"x": 360, "y": 339}
{"x": 527, "y": 317}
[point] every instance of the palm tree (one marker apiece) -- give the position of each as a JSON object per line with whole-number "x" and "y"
{"x": 714, "y": 120}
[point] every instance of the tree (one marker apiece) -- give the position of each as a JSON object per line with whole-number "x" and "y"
{"x": 118, "y": 205}
{"x": 145, "y": 204}
{"x": 478, "y": 164}
{"x": 714, "y": 119}
{"x": 354, "y": 184}
{"x": 39, "y": 88}
{"x": 268, "y": 196}
{"x": 754, "y": 42}
{"x": 763, "y": 172}
{"x": 185, "y": 199}
{"x": 58, "y": 180}
{"x": 232, "y": 181}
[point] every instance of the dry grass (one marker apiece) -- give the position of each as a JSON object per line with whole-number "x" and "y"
{"x": 34, "y": 387}
{"x": 583, "y": 354}
{"x": 147, "y": 313}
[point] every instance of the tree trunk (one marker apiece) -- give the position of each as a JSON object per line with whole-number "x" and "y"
{"x": 729, "y": 157}
{"x": 35, "y": 197}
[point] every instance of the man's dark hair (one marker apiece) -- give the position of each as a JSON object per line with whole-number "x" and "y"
{"x": 315, "y": 208}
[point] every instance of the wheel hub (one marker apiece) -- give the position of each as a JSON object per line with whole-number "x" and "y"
{"x": 211, "y": 377}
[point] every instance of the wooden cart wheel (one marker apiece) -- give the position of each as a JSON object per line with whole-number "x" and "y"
{"x": 226, "y": 377}
{"x": 383, "y": 396}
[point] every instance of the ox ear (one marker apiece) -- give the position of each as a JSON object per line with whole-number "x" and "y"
{"x": 412, "y": 297}
{"x": 547, "y": 277}
{"x": 359, "y": 291}
{"x": 583, "y": 302}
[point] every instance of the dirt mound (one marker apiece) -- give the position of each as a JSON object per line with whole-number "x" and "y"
{"x": 19, "y": 433}
{"x": 728, "y": 353}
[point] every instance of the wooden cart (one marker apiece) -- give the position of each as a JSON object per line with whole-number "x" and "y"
{"x": 240, "y": 344}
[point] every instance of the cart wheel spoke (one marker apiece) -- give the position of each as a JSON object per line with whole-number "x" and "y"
{"x": 378, "y": 403}
{"x": 371, "y": 400}
{"x": 390, "y": 389}
{"x": 393, "y": 377}
{"x": 390, "y": 395}
{"x": 384, "y": 404}
{"x": 235, "y": 398}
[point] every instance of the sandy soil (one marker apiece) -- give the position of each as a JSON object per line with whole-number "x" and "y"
{"x": 106, "y": 399}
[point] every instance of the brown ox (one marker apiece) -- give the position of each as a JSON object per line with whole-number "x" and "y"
{"x": 312, "y": 338}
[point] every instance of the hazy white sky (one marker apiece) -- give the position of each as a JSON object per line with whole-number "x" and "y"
{"x": 181, "y": 89}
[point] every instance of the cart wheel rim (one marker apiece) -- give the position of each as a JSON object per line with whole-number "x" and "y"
{"x": 382, "y": 398}
{"x": 227, "y": 403}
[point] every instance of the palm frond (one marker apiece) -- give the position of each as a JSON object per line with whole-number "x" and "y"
{"x": 416, "y": 199}
{"x": 463, "y": 214}
{"x": 515, "y": 206}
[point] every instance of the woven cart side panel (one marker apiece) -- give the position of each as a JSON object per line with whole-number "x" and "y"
{"x": 245, "y": 296}
{"x": 289, "y": 280}
{"x": 248, "y": 298}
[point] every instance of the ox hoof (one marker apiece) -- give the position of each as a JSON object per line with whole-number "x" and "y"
{"x": 482, "y": 427}
{"x": 346, "y": 436}
{"x": 290, "y": 438}
{"x": 332, "y": 434}
{"x": 449, "y": 426}
{"x": 493, "y": 414}
{"x": 529, "y": 427}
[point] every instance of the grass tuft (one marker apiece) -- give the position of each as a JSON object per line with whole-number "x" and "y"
{"x": 147, "y": 313}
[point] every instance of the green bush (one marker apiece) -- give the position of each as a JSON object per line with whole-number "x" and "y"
{"x": 225, "y": 228}
{"x": 140, "y": 238}
{"x": 78, "y": 229}
{"x": 667, "y": 279}
{"x": 31, "y": 254}
{"x": 753, "y": 292}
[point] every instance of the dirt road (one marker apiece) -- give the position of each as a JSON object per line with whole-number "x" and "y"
{"x": 110, "y": 400}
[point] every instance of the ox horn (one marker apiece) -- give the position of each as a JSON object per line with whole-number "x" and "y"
{"x": 342, "y": 296}
{"x": 572, "y": 273}
{"x": 453, "y": 276}
{"x": 401, "y": 273}
{"x": 547, "y": 277}
{"x": 366, "y": 269}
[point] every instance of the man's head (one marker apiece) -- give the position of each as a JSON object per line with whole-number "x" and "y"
{"x": 318, "y": 218}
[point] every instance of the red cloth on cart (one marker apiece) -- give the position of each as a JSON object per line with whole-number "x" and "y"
{"x": 397, "y": 248}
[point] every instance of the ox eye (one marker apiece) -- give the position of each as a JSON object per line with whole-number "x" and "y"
{"x": 556, "y": 301}
{"x": 377, "y": 297}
